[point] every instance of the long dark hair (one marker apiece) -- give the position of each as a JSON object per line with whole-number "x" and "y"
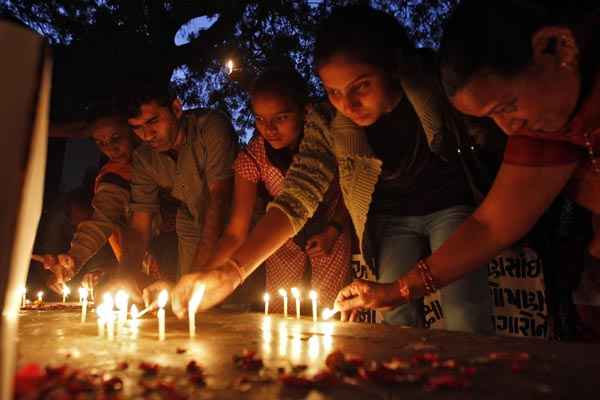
{"x": 495, "y": 36}
{"x": 367, "y": 35}
{"x": 287, "y": 83}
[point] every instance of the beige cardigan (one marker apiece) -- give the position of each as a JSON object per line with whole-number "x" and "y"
{"x": 334, "y": 141}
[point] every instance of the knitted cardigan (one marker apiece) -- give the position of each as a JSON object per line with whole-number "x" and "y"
{"x": 333, "y": 141}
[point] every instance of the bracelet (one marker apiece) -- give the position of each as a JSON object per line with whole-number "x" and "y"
{"x": 427, "y": 277}
{"x": 238, "y": 268}
{"x": 404, "y": 290}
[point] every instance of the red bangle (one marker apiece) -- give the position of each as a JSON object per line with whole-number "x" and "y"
{"x": 429, "y": 281}
{"x": 404, "y": 290}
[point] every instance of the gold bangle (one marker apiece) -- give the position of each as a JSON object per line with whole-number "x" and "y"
{"x": 238, "y": 268}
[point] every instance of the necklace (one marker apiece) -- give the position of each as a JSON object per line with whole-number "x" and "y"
{"x": 588, "y": 143}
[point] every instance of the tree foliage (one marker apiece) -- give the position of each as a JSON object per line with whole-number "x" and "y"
{"x": 100, "y": 44}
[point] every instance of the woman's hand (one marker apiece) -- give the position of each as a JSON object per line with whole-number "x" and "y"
{"x": 218, "y": 284}
{"x": 366, "y": 294}
{"x": 91, "y": 279}
{"x": 63, "y": 268}
{"x": 151, "y": 292}
{"x": 320, "y": 245}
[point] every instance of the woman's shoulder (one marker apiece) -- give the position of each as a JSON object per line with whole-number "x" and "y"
{"x": 254, "y": 152}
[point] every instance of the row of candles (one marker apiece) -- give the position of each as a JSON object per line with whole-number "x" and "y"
{"x": 312, "y": 295}
{"x": 106, "y": 310}
{"x": 106, "y": 313}
{"x": 83, "y": 294}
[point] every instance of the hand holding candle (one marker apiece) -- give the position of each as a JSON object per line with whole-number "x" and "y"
{"x": 193, "y": 305}
{"x": 313, "y": 298}
{"x": 283, "y": 294}
{"x": 296, "y": 294}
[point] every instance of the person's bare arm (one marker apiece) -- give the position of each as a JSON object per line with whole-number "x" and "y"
{"x": 136, "y": 240}
{"x": 518, "y": 198}
{"x": 244, "y": 201}
{"x": 214, "y": 218}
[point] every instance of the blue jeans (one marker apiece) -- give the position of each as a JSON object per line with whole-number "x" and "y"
{"x": 402, "y": 241}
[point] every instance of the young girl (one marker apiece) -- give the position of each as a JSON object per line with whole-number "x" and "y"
{"x": 278, "y": 98}
{"x": 402, "y": 157}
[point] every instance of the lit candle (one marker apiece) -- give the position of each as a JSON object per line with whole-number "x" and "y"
{"x": 193, "y": 305}
{"x": 40, "y": 296}
{"x": 109, "y": 315}
{"x": 328, "y": 313}
{"x": 283, "y": 338}
{"x": 122, "y": 303}
{"x": 163, "y": 297}
{"x": 296, "y": 294}
{"x": 313, "y": 299}
{"x": 80, "y": 291}
{"x": 66, "y": 292}
{"x": 230, "y": 67}
{"x": 83, "y": 296}
{"x": 100, "y": 313}
{"x": 134, "y": 323}
{"x": 23, "y": 296}
{"x": 266, "y": 298}
{"x": 283, "y": 294}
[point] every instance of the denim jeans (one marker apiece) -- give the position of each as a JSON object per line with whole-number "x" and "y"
{"x": 402, "y": 241}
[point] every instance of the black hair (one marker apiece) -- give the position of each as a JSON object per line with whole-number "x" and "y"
{"x": 139, "y": 92}
{"x": 366, "y": 34}
{"x": 495, "y": 36}
{"x": 107, "y": 108}
{"x": 286, "y": 82}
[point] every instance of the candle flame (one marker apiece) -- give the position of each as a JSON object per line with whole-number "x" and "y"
{"x": 327, "y": 313}
{"x": 196, "y": 298}
{"x": 229, "y": 66}
{"x": 83, "y": 293}
{"x": 295, "y": 292}
{"x": 163, "y": 297}
{"x": 101, "y": 311}
{"x": 40, "y": 294}
{"x": 282, "y": 292}
{"x": 312, "y": 294}
{"x": 266, "y": 297}
{"x": 108, "y": 302}
{"x": 66, "y": 290}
